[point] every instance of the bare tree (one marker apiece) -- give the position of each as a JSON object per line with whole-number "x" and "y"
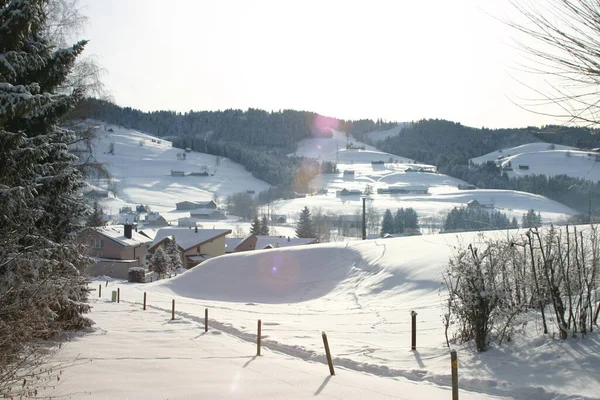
{"x": 562, "y": 41}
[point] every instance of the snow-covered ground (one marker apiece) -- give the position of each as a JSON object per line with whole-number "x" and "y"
{"x": 143, "y": 176}
{"x": 360, "y": 293}
{"x": 546, "y": 159}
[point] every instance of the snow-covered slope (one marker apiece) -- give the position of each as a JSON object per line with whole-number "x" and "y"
{"x": 361, "y": 294}
{"x": 378, "y": 136}
{"x": 142, "y": 165}
{"x": 545, "y": 159}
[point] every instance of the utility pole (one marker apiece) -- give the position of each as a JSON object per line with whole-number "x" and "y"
{"x": 364, "y": 222}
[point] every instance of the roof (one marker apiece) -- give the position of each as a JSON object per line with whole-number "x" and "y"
{"x": 187, "y": 238}
{"x": 148, "y": 232}
{"x": 232, "y": 243}
{"x": 281, "y": 241}
{"x": 116, "y": 234}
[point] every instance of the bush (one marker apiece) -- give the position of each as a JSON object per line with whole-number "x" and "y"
{"x": 137, "y": 275}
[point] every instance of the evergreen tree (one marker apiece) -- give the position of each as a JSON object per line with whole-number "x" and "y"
{"x": 42, "y": 284}
{"x": 531, "y": 219}
{"x": 255, "y": 229}
{"x": 264, "y": 226}
{"x": 173, "y": 255}
{"x": 160, "y": 262}
{"x": 305, "y": 227}
{"x": 399, "y": 221}
{"x": 95, "y": 219}
{"x": 387, "y": 226}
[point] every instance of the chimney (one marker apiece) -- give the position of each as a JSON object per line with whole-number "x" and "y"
{"x": 128, "y": 231}
{"x": 196, "y": 229}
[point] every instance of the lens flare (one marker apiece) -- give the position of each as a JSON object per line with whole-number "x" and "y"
{"x": 324, "y": 126}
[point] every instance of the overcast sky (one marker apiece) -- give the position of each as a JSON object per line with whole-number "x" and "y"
{"x": 399, "y": 60}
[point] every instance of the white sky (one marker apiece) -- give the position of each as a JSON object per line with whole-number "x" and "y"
{"x": 398, "y": 60}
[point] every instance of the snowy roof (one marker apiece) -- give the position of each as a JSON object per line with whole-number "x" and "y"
{"x": 281, "y": 241}
{"x": 148, "y": 232}
{"x": 232, "y": 243}
{"x": 116, "y": 233}
{"x": 187, "y": 238}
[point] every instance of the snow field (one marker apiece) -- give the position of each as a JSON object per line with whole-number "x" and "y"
{"x": 361, "y": 293}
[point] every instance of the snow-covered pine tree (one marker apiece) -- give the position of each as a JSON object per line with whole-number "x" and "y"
{"x": 42, "y": 286}
{"x": 174, "y": 255}
{"x": 160, "y": 262}
{"x": 305, "y": 227}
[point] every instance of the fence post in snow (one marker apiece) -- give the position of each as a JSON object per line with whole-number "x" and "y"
{"x": 328, "y": 354}
{"x": 258, "y": 339}
{"x": 413, "y": 345}
{"x": 206, "y": 320}
{"x": 118, "y": 295}
{"x": 144, "y": 300}
{"x": 106, "y": 283}
{"x": 454, "y": 367}
{"x": 99, "y": 290}
{"x": 173, "y": 310}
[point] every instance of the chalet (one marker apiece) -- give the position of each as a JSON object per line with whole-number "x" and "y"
{"x": 177, "y": 173}
{"x": 467, "y": 187}
{"x": 155, "y": 219}
{"x": 409, "y": 169}
{"x": 116, "y": 248}
{"x": 279, "y": 218}
{"x": 473, "y": 204}
{"x": 196, "y": 245}
{"x": 208, "y": 213}
{"x": 522, "y": 166}
{"x": 350, "y": 192}
{"x": 96, "y": 194}
{"x": 192, "y": 205}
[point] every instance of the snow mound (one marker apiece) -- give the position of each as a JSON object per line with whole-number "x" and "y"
{"x": 292, "y": 275}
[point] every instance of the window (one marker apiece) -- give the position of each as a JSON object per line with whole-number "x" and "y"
{"x": 98, "y": 244}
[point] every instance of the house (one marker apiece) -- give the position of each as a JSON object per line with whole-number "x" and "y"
{"x": 208, "y": 213}
{"x": 192, "y": 205}
{"x": 155, "y": 219}
{"x": 380, "y": 162}
{"x": 177, "y": 173}
{"x": 467, "y": 187}
{"x": 473, "y": 204}
{"x": 116, "y": 248}
{"x": 279, "y": 218}
{"x": 261, "y": 242}
{"x": 521, "y": 166}
{"x": 96, "y": 194}
{"x": 199, "y": 173}
{"x": 351, "y": 192}
{"x": 196, "y": 245}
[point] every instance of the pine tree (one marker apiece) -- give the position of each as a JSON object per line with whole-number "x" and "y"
{"x": 255, "y": 229}
{"x": 264, "y": 226}
{"x": 173, "y": 255}
{"x": 305, "y": 227}
{"x": 387, "y": 226}
{"x": 42, "y": 284}
{"x": 95, "y": 219}
{"x": 399, "y": 221}
{"x": 160, "y": 262}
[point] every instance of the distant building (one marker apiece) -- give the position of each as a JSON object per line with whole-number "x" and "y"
{"x": 467, "y": 187}
{"x": 177, "y": 173}
{"x": 208, "y": 213}
{"x": 522, "y": 166}
{"x": 279, "y": 218}
{"x": 192, "y": 205}
{"x": 155, "y": 219}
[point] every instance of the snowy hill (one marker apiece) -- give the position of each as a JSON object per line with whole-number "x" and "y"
{"x": 361, "y": 294}
{"x": 545, "y": 159}
{"x": 142, "y": 165}
{"x": 378, "y": 136}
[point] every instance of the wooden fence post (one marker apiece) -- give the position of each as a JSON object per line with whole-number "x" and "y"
{"x": 106, "y": 283}
{"x": 99, "y": 290}
{"x": 258, "y": 339}
{"x": 118, "y": 295}
{"x": 413, "y": 345}
{"x": 454, "y": 367}
{"x": 144, "y": 300}
{"x": 206, "y": 320}
{"x": 173, "y": 310}
{"x": 328, "y": 354}
{"x": 151, "y": 278}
